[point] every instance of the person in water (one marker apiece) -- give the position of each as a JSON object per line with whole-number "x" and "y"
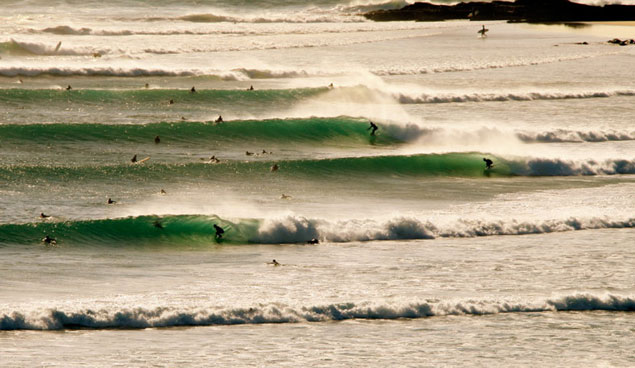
{"x": 488, "y": 163}
{"x": 373, "y": 127}
{"x": 49, "y": 241}
{"x": 110, "y": 201}
{"x": 157, "y": 139}
{"x": 251, "y": 88}
{"x": 193, "y": 90}
{"x": 275, "y": 167}
{"x": 133, "y": 159}
{"x": 42, "y": 215}
{"x": 157, "y": 224}
{"x": 219, "y": 120}
{"x": 274, "y": 262}
{"x": 313, "y": 241}
{"x": 219, "y": 231}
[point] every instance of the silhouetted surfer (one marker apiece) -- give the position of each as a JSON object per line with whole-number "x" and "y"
{"x": 249, "y": 153}
{"x": 219, "y": 120}
{"x": 275, "y": 167}
{"x": 251, "y": 88}
{"x": 49, "y": 241}
{"x": 483, "y": 31}
{"x": 157, "y": 224}
{"x": 171, "y": 102}
{"x": 373, "y": 127}
{"x": 110, "y": 201}
{"x": 274, "y": 262}
{"x": 157, "y": 140}
{"x": 133, "y": 159}
{"x": 42, "y": 215}
{"x": 68, "y": 88}
{"x": 313, "y": 241}
{"x": 193, "y": 90}
{"x": 219, "y": 231}
{"x": 488, "y": 163}
{"x": 163, "y": 192}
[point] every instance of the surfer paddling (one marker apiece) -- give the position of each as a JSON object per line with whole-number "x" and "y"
{"x": 274, "y": 263}
{"x": 43, "y": 216}
{"x": 49, "y": 241}
{"x": 488, "y": 163}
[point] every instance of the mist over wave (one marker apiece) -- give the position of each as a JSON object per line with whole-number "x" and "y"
{"x": 122, "y": 317}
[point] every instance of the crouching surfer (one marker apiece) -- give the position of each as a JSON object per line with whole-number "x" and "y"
{"x": 219, "y": 232}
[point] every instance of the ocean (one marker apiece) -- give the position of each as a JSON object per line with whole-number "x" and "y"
{"x": 398, "y": 249}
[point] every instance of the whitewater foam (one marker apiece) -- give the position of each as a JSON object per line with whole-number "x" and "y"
{"x": 141, "y": 318}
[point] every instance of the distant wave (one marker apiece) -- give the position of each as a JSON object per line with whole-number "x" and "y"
{"x": 563, "y": 135}
{"x": 14, "y": 47}
{"x": 290, "y": 17}
{"x": 192, "y": 230}
{"x": 491, "y": 65}
{"x": 510, "y": 96}
{"x": 140, "y": 318}
{"x": 239, "y": 74}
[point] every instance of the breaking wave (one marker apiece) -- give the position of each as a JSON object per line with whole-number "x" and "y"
{"x": 512, "y": 96}
{"x": 197, "y": 230}
{"x": 14, "y": 47}
{"x": 114, "y": 317}
{"x": 563, "y": 135}
{"x": 468, "y": 165}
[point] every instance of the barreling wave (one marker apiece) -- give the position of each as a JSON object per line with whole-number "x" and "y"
{"x": 469, "y": 165}
{"x": 340, "y": 130}
{"x": 114, "y": 317}
{"x": 197, "y": 230}
{"x": 563, "y": 135}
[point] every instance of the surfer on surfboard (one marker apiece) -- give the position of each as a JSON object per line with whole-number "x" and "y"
{"x": 488, "y": 163}
{"x": 219, "y": 231}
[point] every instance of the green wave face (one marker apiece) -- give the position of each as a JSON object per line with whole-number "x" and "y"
{"x": 304, "y": 131}
{"x": 129, "y": 98}
{"x": 451, "y": 164}
{"x": 143, "y": 231}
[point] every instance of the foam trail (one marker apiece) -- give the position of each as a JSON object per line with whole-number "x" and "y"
{"x": 563, "y": 135}
{"x": 511, "y": 96}
{"x": 141, "y": 318}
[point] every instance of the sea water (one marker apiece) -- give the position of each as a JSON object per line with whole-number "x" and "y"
{"x": 425, "y": 257}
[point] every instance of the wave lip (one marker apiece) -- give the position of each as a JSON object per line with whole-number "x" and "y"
{"x": 141, "y": 318}
{"x": 198, "y": 230}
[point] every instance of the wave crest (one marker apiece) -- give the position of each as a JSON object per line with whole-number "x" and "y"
{"x": 140, "y": 318}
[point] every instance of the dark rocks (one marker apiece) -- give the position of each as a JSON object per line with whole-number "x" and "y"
{"x": 617, "y": 41}
{"x": 520, "y": 11}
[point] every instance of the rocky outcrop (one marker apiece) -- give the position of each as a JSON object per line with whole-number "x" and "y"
{"x": 520, "y": 10}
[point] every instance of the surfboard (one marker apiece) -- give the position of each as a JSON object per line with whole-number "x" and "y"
{"x": 142, "y": 160}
